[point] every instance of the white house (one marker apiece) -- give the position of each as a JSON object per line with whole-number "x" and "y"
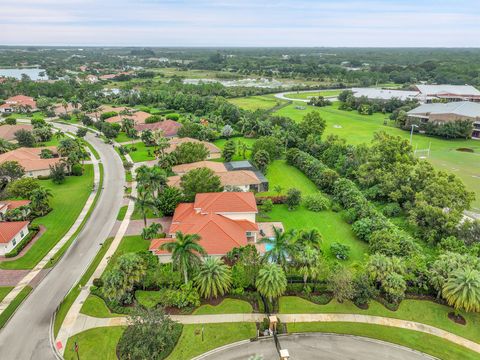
{"x": 11, "y": 233}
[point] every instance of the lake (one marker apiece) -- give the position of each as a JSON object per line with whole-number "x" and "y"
{"x": 33, "y": 73}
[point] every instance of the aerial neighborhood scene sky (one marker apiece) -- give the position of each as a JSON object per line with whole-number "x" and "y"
{"x": 240, "y": 180}
{"x": 442, "y": 23}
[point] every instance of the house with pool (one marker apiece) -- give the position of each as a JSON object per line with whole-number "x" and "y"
{"x": 223, "y": 221}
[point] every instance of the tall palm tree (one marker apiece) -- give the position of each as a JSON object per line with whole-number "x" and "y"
{"x": 144, "y": 201}
{"x": 186, "y": 252}
{"x": 39, "y": 200}
{"x": 160, "y": 143}
{"x": 281, "y": 246}
{"x": 271, "y": 281}
{"x": 213, "y": 278}
{"x": 310, "y": 238}
{"x": 307, "y": 261}
{"x": 462, "y": 289}
{"x": 153, "y": 179}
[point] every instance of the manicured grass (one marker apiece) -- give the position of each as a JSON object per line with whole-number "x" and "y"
{"x": 148, "y": 299}
{"x": 308, "y": 95}
{"x": 8, "y": 312}
{"x": 95, "y": 344}
{"x": 67, "y": 202}
{"x": 422, "y": 311}
{"x": 143, "y": 153}
{"x": 138, "y": 215}
{"x": 330, "y": 224}
{"x": 128, "y": 176}
{"x": 227, "y": 306}
{"x": 190, "y": 343}
{"x": 357, "y": 129}
{"x": 262, "y": 102}
{"x": 239, "y": 153}
{"x": 128, "y": 244}
{"x": 72, "y": 295}
{"x": 280, "y": 173}
{"x": 92, "y": 149}
{"x": 122, "y": 137}
{"x": 428, "y": 344}
{"x": 96, "y": 307}
{"x": 122, "y": 212}
{"x": 4, "y": 290}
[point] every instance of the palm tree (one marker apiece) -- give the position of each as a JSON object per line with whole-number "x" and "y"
{"x": 307, "y": 261}
{"x": 462, "y": 290}
{"x": 39, "y": 200}
{"x": 149, "y": 232}
{"x": 213, "y": 278}
{"x": 59, "y": 135}
{"x": 271, "y": 281}
{"x": 114, "y": 285}
{"x": 5, "y": 146}
{"x": 310, "y": 238}
{"x": 143, "y": 202}
{"x": 65, "y": 106}
{"x": 152, "y": 179}
{"x": 133, "y": 267}
{"x": 281, "y": 246}
{"x": 186, "y": 252}
{"x": 160, "y": 143}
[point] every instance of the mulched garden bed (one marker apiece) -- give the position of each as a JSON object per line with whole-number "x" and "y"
{"x": 458, "y": 319}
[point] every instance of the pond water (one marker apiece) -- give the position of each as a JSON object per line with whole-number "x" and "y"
{"x": 33, "y": 73}
{"x": 260, "y": 83}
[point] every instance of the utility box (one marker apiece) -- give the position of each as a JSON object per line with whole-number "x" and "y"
{"x": 284, "y": 355}
{"x": 273, "y": 322}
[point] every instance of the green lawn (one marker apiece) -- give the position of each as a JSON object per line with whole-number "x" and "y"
{"x": 95, "y": 344}
{"x": 10, "y": 309}
{"x": 122, "y": 212}
{"x": 330, "y": 224}
{"x": 96, "y": 307}
{"x": 122, "y": 137}
{"x": 280, "y": 173}
{"x": 137, "y": 214}
{"x": 227, "y": 306}
{"x": 358, "y": 129}
{"x": 127, "y": 245}
{"x": 239, "y": 153}
{"x": 67, "y": 202}
{"x": 423, "y": 311}
{"x": 429, "y": 344}
{"x": 143, "y": 153}
{"x": 147, "y": 298}
{"x": 4, "y": 290}
{"x": 262, "y": 102}
{"x": 307, "y": 95}
{"x": 190, "y": 343}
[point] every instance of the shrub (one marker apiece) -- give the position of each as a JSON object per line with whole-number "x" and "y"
{"x": 294, "y": 198}
{"x": 108, "y": 114}
{"x": 172, "y": 116}
{"x": 392, "y": 210}
{"x": 153, "y": 119}
{"x": 316, "y": 202}
{"x": 77, "y": 170}
{"x": 10, "y": 121}
{"x": 340, "y": 251}
{"x": 98, "y": 282}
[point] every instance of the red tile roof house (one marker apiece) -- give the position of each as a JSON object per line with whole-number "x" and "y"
{"x": 222, "y": 220}
{"x": 29, "y": 159}
{"x": 11, "y": 233}
{"x": 169, "y": 127}
{"x": 11, "y": 205}
{"x": 138, "y": 117}
{"x": 213, "y": 151}
{"x": 7, "y": 132}
{"x": 18, "y": 103}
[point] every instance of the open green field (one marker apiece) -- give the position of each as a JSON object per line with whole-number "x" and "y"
{"x": 122, "y": 137}
{"x": 279, "y": 173}
{"x": 330, "y": 224}
{"x": 260, "y": 102}
{"x": 356, "y": 129}
{"x": 227, "y": 306}
{"x": 95, "y": 344}
{"x": 67, "y": 202}
{"x": 308, "y": 95}
{"x": 422, "y": 311}
{"x": 190, "y": 343}
{"x": 428, "y": 344}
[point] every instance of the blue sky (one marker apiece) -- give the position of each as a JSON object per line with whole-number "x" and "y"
{"x": 446, "y": 23}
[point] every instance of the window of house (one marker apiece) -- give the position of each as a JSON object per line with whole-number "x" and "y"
{"x": 21, "y": 233}
{"x": 14, "y": 242}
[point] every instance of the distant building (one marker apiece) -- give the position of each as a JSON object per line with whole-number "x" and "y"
{"x": 446, "y": 112}
{"x": 18, "y": 103}
{"x": 247, "y": 165}
{"x": 213, "y": 151}
{"x": 29, "y": 159}
{"x": 429, "y": 93}
{"x": 138, "y": 117}
{"x": 11, "y": 233}
{"x": 385, "y": 94}
{"x": 169, "y": 127}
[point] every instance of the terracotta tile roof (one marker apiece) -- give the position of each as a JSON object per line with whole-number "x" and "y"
{"x": 7, "y": 132}
{"x": 8, "y": 230}
{"x": 227, "y": 178}
{"x": 226, "y": 202}
{"x": 174, "y": 142}
{"x": 138, "y": 117}
{"x": 169, "y": 127}
{"x": 29, "y": 158}
{"x": 59, "y": 109}
{"x": 13, "y": 204}
{"x": 19, "y": 100}
{"x": 212, "y": 165}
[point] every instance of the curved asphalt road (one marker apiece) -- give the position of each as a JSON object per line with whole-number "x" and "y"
{"x": 26, "y": 336}
{"x": 320, "y": 346}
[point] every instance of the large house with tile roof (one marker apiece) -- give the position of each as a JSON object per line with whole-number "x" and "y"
{"x": 30, "y": 160}
{"x": 223, "y": 221}
{"x": 18, "y": 103}
{"x": 11, "y": 233}
{"x": 168, "y": 127}
{"x": 7, "y": 132}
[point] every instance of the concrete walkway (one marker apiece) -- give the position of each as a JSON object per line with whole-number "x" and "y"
{"x": 36, "y": 270}
{"x": 87, "y": 322}
{"x": 73, "y": 319}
